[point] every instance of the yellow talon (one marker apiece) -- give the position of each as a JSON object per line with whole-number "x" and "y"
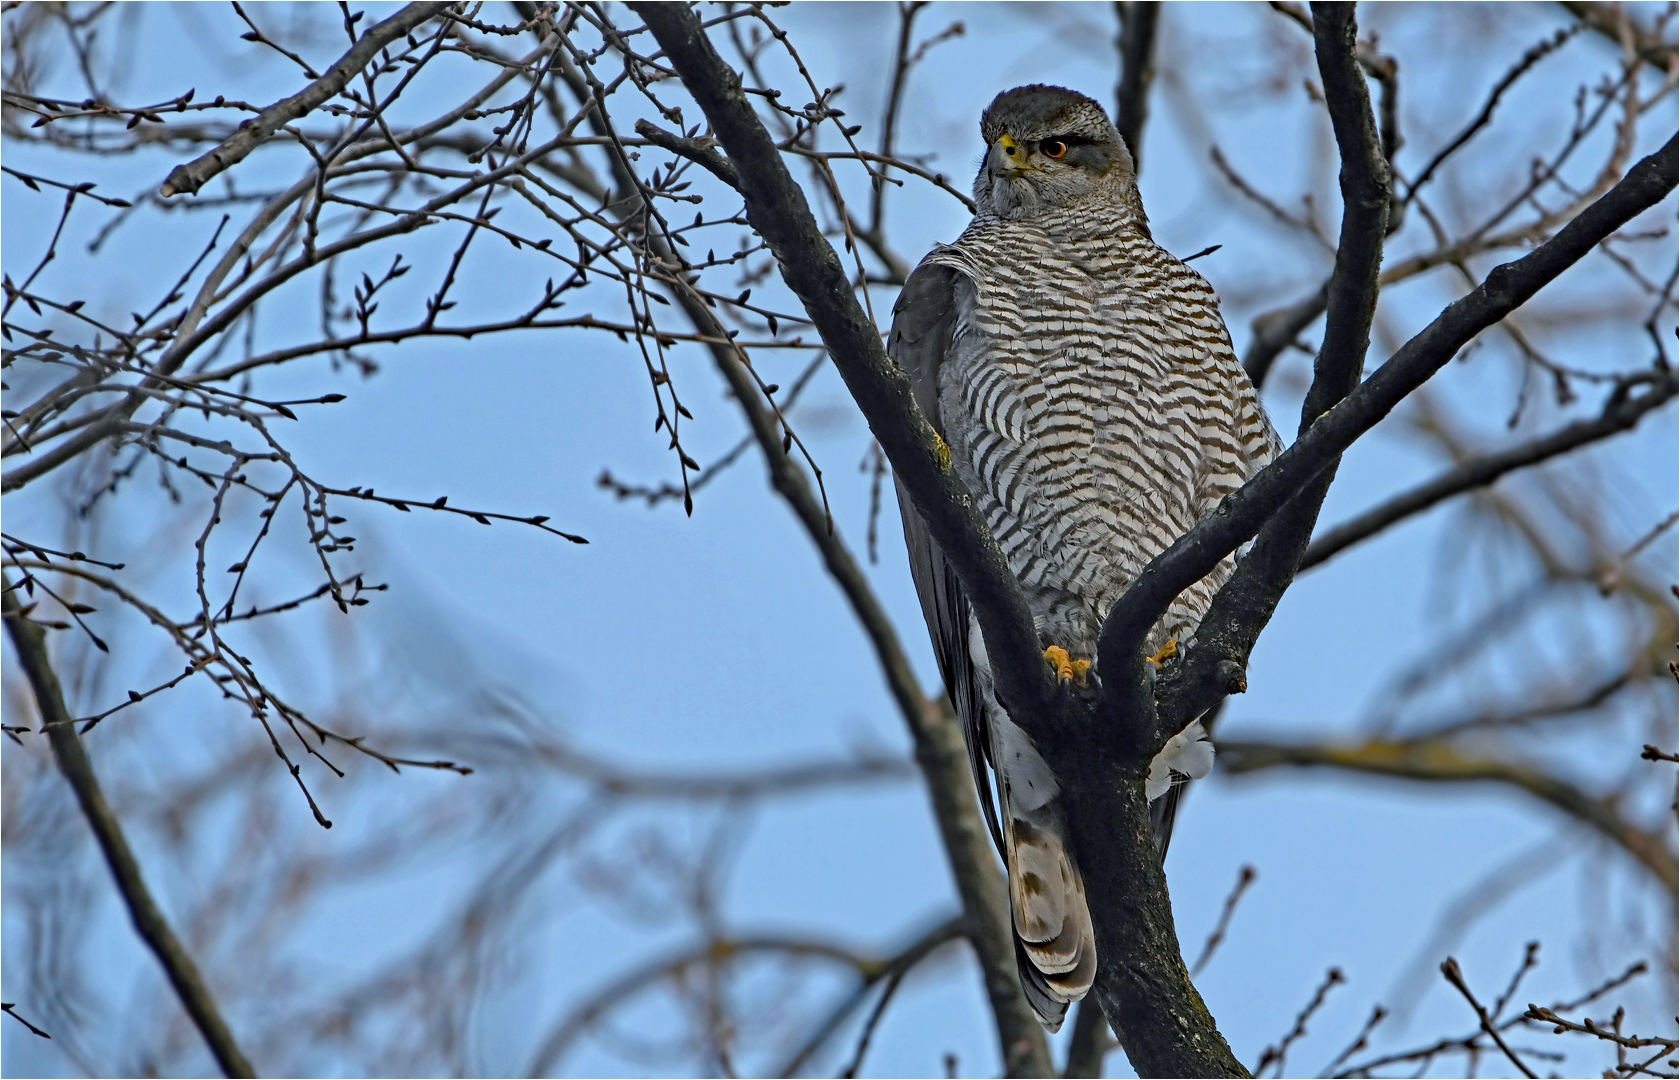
{"x": 1167, "y": 651}
{"x": 943, "y": 449}
{"x": 1066, "y": 666}
{"x": 1060, "y": 660}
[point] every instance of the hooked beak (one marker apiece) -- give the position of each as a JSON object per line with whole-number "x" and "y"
{"x": 1007, "y": 158}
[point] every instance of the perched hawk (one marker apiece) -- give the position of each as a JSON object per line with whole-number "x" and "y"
{"x": 1093, "y": 406}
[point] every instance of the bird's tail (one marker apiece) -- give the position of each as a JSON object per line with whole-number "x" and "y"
{"x": 1055, "y": 947}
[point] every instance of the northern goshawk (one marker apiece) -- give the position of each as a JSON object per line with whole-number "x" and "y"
{"x": 1086, "y": 386}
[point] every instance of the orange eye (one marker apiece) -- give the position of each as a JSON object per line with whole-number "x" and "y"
{"x": 1054, "y": 149}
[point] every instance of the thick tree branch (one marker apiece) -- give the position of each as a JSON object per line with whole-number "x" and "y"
{"x": 1193, "y": 686}
{"x": 1142, "y": 983}
{"x": 1138, "y": 19}
{"x": 940, "y": 753}
{"x": 1622, "y": 413}
{"x": 187, "y": 179}
{"x": 1440, "y": 761}
{"x": 31, "y": 644}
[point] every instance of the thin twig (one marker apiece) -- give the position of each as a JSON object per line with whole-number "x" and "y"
{"x": 1245, "y": 878}
{"x": 10, "y": 1009}
{"x": 1455, "y": 976}
{"x": 1275, "y": 1055}
{"x": 869, "y": 1025}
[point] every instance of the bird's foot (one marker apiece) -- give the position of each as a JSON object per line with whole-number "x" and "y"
{"x": 1067, "y": 668}
{"x": 1169, "y": 650}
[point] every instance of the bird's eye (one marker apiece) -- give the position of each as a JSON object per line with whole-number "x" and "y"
{"x": 1054, "y": 149}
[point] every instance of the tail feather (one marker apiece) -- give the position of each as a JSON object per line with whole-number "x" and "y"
{"x": 1055, "y": 946}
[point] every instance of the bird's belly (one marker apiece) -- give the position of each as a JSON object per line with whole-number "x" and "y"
{"x": 1080, "y": 480}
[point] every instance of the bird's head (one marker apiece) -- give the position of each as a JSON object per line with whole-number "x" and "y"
{"x": 1049, "y": 147}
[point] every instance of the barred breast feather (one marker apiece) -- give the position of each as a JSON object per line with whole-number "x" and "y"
{"x": 1096, "y": 421}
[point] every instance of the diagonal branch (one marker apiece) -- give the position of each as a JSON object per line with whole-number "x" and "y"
{"x": 187, "y": 179}
{"x": 1455, "y": 975}
{"x": 940, "y": 753}
{"x": 1439, "y": 761}
{"x": 1622, "y": 413}
{"x": 31, "y": 644}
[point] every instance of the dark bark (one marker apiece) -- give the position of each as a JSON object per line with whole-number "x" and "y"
{"x": 1138, "y": 19}
{"x": 941, "y": 755}
{"x": 779, "y": 212}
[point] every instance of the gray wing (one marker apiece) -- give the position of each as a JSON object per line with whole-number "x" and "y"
{"x": 923, "y": 327}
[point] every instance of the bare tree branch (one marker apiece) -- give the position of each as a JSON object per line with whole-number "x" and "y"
{"x": 187, "y": 179}
{"x": 940, "y": 753}
{"x": 1450, "y": 968}
{"x": 1621, "y": 413}
{"x": 779, "y": 212}
{"x": 1440, "y": 761}
{"x": 31, "y": 644}
{"x": 1138, "y": 19}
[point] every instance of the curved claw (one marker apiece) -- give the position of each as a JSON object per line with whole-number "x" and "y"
{"x": 1168, "y": 650}
{"x": 1067, "y": 668}
{"x": 1061, "y": 661}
